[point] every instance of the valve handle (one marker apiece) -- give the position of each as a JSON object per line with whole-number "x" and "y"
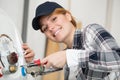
{"x": 23, "y": 71}
{"x": 37, "y": 62}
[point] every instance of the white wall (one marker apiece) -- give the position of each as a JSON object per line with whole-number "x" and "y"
{"x": 14, "y": 8}
{"x": 93, "y": 11}
{"x": 115, "y": 22}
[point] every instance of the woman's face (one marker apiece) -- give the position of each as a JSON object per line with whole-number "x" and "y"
{"x": 57, "y": 27}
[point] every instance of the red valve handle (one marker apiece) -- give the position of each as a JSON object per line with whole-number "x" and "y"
{"x": 37, "y": 62}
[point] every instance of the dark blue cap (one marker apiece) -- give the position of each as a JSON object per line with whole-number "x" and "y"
{"x": 43, "y": 9}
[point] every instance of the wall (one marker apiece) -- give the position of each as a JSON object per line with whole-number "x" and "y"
{"x": 115, "y": 20}
{"x": 14, "y": 8}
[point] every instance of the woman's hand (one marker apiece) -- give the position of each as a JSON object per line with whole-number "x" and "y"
{"x": 28, "y": 53}
{"x": 55, "y": 60}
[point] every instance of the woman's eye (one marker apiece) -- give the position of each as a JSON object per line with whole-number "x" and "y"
{"x": 54, "y": 18}
{"x": 45, "y": 29}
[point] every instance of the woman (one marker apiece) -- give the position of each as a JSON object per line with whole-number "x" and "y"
{"x": 91, "y": 54}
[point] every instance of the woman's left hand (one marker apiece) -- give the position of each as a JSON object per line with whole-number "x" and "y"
{"x": 28, "y": 53}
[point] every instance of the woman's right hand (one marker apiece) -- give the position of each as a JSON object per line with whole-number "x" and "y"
{"x": 55, "y": 60}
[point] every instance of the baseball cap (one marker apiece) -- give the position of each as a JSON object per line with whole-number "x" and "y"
{"x": 43, "y": 9}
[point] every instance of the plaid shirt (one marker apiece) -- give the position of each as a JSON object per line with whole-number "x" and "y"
{"x": 98, "y": 55}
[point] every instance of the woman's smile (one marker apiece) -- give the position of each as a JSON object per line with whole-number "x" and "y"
{"x": 57, "y": 32}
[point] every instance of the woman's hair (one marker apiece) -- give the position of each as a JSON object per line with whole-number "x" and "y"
{"x": 62, "y": 11}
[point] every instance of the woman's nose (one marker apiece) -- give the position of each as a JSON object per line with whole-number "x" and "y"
{"x": 50, "y": 26}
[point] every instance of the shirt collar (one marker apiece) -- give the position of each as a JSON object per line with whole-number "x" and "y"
{"x": 77, "y": 41}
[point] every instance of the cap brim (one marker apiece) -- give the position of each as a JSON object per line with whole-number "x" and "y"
{"x": 35, "y": 24}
